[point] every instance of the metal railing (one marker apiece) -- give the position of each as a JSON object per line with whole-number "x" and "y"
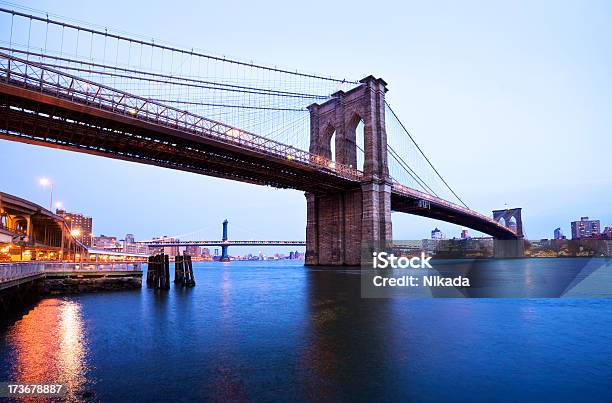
{"x": 36, "y": 77}
{"x": 406, "y": 191}
{"x": 20, "y": 270}
{"x": 86, "y": 267}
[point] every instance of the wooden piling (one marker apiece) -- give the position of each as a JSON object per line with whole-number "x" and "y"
{"x": 150, "y": 271}
{"x": 179, "y": 269}
{"x": 158, "y": 271}
{"x": 190, "y": 279}
{"x": 166, "y": 273}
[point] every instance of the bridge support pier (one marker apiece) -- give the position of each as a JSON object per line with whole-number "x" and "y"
{"x": 509, "y": 248}
{"x": 224, "y": 255}
{"x": 340, "y": 224}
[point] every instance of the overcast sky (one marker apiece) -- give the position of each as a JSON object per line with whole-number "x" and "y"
{"x": 511, "y": 101}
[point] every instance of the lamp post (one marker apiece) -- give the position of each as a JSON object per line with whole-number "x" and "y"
{"x": 44, "y": 182}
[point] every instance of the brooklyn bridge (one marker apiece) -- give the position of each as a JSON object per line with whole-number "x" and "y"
{"x": 89, "y": 90}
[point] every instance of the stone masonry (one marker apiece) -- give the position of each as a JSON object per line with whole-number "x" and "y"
{"x": 338, "y": 224}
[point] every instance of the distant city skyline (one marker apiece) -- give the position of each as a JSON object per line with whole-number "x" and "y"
{"x": 504, "y": 92}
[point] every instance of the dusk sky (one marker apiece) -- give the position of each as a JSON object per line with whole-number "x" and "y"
{"x": 511, "y": 101}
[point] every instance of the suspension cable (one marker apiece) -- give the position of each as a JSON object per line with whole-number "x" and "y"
{"x": 266, "y": 108}
{"x": 424, "y": 156}
{"x": 410, "y": 171}
{"x": 261, "y": 91}
{"x": 170, "y": 48}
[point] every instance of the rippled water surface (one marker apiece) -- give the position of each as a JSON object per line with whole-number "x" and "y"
{"x": 279, "y": 331}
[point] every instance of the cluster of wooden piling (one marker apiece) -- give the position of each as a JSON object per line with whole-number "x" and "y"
{"x": 183, "y": 271}
{"x": 158, "y": 272}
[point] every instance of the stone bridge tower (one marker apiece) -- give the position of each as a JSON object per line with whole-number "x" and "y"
{"x": 338, "y": 223}
{"x": 510, "y": 218}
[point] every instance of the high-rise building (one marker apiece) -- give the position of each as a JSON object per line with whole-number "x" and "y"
{"x": 437, "y": 234}
{"x": 585, "y": 228}
{"x": 465, "y": 234}
{"x": 168, "y": 250}
{"x": 106, "y": 242}
{"x": 193, "y": 250}
{"x": 558, "y": 234}
{"x": 80, "y": 226}
{"x": 607, "y": 233}
{"x": 131, "y": 246}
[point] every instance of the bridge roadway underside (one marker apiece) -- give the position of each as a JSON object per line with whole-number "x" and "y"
{"x": 404, "y": 204}
{"x": 40, "y": 119}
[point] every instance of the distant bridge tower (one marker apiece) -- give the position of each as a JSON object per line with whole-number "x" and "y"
{"x": 338, "y": 223}
{"x": 224, "y": 255}
{"x": 510, "y": 218}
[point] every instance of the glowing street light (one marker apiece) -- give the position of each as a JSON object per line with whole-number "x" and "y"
{"x": 75, "y": 232}
{"x": 44, "y": 182}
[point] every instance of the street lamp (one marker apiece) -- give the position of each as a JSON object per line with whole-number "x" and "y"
{"x": 44, "y": 182}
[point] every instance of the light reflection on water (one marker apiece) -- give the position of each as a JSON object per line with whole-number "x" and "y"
{"x": 48, "y": 345}
{"x": 279, "y": 331}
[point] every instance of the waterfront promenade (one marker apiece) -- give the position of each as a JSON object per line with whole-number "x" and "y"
{"x": 15, "y": 273}
{"x": 24, "y": 281}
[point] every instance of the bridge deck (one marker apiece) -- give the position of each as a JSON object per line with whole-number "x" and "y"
{"x": 47, "y": 107}
{"x": 225, "y": 243}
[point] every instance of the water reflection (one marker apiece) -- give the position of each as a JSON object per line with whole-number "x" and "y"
{"x": 346, "y": 338}
{"x": 48, "y": 345}
{"x": 269, "y": 331}
{"x": 227, "y": 382}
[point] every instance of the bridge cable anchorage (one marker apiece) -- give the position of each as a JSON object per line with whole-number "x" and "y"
{"x": 424, "y": 156}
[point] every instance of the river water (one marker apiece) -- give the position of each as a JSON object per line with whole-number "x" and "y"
{"x": 280, "y": 331}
